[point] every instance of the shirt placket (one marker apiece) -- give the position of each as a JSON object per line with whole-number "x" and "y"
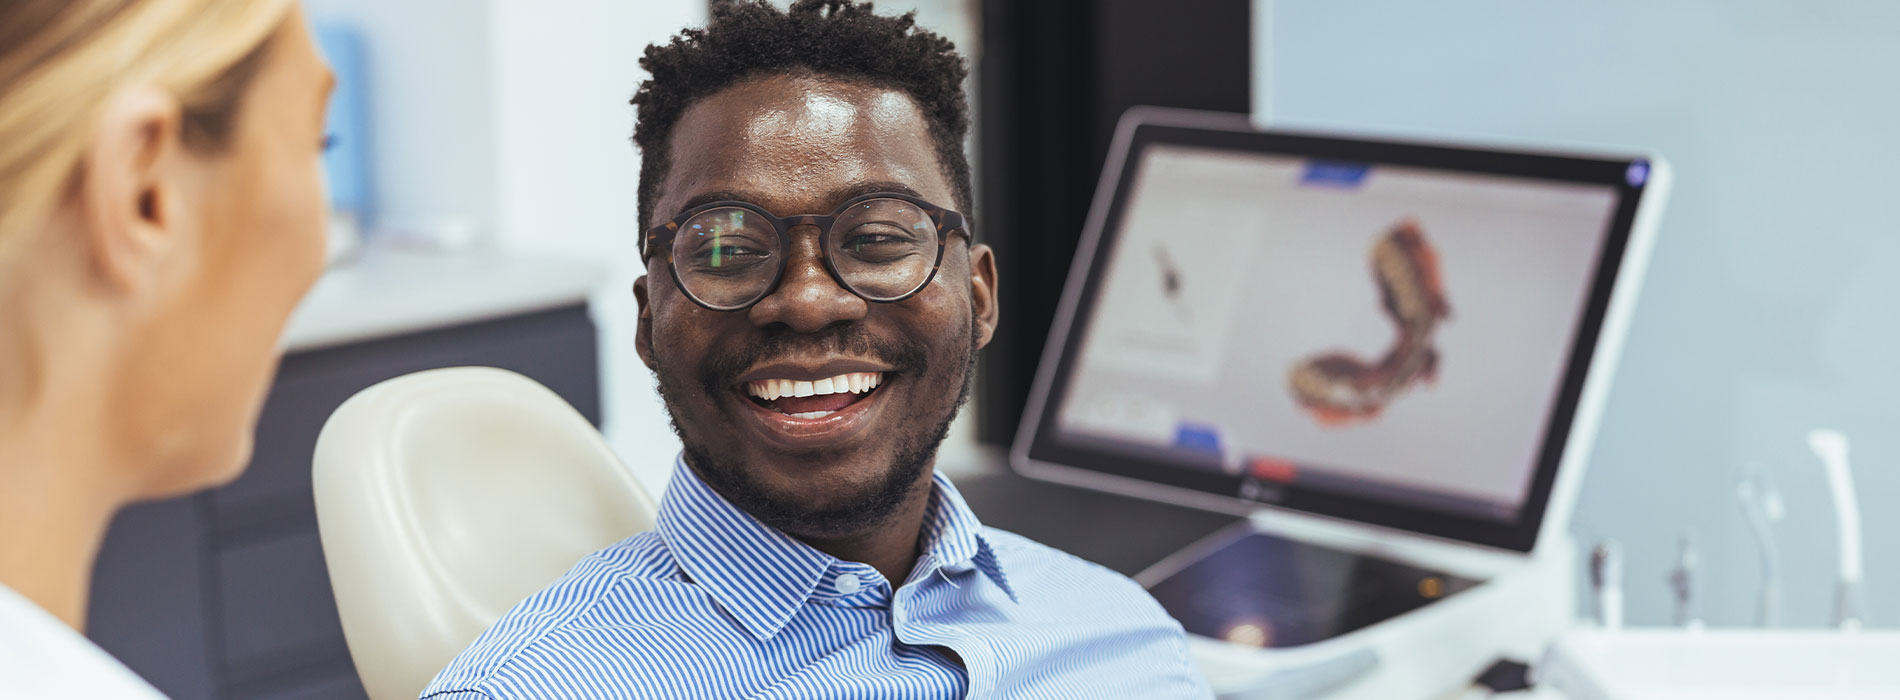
{"x": 979, "y": 667}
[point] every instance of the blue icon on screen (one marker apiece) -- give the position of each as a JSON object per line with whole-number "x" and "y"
{"x": 1333, "y": 173}
{"x": 1201, "y": 438}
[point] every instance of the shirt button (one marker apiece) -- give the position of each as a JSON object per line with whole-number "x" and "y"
{"x": 847, "y": 584}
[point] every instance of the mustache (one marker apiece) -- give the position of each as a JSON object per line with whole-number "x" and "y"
{"x": 904, "y": 354}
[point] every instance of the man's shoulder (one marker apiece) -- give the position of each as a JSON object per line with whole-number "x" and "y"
{"x": 596, "y": 577}
{"x": 1114, "y": 624}
{"x": 1042, "y": 572}
{"x": 1019, "y": 552}
{"x": 605, "y": 583}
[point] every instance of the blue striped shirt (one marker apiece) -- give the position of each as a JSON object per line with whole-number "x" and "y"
{"x": 715, "y": 604}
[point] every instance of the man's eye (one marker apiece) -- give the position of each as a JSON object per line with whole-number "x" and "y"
{"x": 879, "y": 239}
{"x": 719, "y": 256}
{"x": 857, "y": 243}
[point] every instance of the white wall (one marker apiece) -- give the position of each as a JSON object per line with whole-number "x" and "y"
{"x": 1769, "y": 307}
{"x": 429, "y": 91}
{"x": 568, "y": 175}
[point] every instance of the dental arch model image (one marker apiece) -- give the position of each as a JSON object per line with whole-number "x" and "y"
{"x": 1338, "y": 388}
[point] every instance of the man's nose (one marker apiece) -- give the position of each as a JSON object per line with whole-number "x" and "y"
{"x": 807, "y": 298}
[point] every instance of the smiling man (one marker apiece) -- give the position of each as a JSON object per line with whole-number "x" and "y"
{"x": 812, "y": 308}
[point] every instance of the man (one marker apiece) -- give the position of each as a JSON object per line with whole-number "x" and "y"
{"x": 812, "y": 309}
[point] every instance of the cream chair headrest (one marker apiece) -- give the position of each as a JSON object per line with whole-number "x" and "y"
{"x": 445, "y": 497}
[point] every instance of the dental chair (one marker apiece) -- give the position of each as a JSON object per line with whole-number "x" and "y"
{"x": 445, "y": 497}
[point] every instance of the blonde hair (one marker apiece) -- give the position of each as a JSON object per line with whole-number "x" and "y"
{"x": 61, "y": 61}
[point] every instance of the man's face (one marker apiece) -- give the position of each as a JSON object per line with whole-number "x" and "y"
{"x": 804, "y": 145}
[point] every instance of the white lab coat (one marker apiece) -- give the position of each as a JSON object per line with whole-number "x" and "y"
{"x": 41, "y": 659}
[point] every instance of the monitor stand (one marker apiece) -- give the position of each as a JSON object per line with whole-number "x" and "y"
{"x": 1259, "y": 589}
{"x": 1276, "y": 617}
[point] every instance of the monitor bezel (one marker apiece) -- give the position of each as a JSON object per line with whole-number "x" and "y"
{"x": 1038, "y": 454}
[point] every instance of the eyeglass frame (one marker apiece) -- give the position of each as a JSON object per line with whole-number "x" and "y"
{"x": 947, "y": 221}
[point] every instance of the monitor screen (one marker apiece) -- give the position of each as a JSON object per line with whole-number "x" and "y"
{"x": 1275, "y": 321}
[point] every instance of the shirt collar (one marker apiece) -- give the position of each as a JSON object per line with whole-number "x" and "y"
{"x": 953, "y": 538}
{"x": 762, "y": 576}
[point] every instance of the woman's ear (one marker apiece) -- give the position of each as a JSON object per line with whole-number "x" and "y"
{"x": 127, "y": 195}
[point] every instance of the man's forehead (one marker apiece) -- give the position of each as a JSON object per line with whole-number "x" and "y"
{"x": 799, "y": 144}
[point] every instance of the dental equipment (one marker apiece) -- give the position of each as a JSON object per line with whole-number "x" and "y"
{"x": 1761, "y": 504}
{"x": 1831, "y": 447}
{"x": 1682, "y": 582}
{"x": 1606, "y": 582}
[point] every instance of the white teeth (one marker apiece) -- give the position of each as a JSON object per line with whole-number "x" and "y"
{"x": 808, "y": 415}
{"x": 854, "y": 382}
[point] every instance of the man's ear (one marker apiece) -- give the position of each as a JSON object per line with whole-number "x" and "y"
{"x": 983, "y": 292}
{"x": 127, "y": 194}
{"x": 643, "y": 333}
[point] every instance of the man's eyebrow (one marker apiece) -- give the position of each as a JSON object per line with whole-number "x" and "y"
{"x": 864, "y": 188}
{"x": 836, "y": 197}
{"x": 714, "y": 196}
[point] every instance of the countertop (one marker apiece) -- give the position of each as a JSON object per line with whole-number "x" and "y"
{"x": 387, "y": 292}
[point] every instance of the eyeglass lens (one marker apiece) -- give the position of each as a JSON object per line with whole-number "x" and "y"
{"x": 882, "y": 249}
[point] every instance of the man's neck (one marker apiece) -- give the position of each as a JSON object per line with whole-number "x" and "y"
{"x": 891, "y": 547}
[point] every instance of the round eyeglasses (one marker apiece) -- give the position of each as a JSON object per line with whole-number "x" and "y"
{"x": 728, "y": 255}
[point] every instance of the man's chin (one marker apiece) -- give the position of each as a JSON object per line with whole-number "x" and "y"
{"x": 827, "y": 500}
{"x": 822, "y": 495}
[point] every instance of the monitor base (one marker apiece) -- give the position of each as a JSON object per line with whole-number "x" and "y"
{"x": 1420, "y": 651}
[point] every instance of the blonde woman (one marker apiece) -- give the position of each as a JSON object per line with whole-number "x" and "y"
{"x": 161, "y": 212}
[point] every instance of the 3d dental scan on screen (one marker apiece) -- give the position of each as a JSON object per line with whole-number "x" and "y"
{"x": 1392, "y": 355}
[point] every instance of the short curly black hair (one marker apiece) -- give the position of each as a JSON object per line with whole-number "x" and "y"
{"x": 841, "y": 38}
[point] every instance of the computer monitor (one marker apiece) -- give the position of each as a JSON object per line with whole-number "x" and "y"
{"x": 1411, "y": 336}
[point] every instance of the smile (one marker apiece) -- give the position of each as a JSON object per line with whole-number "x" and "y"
{"x": 797, "y": 411}
{"x": 813, "y": 399}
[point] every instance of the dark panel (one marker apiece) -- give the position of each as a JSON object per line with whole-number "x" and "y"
{"x": 1195, "y": 54}
{"x": 1055, "y": 75}
{"x": 148, "y": 598}
{"x": 278, "y": 612}
{"x": 541, "y": 345}
{"x": 336, "y": 681}
{"x": 1034, "y": 147}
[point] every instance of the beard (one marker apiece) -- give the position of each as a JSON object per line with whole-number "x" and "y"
{"x": 916, "y": 450}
